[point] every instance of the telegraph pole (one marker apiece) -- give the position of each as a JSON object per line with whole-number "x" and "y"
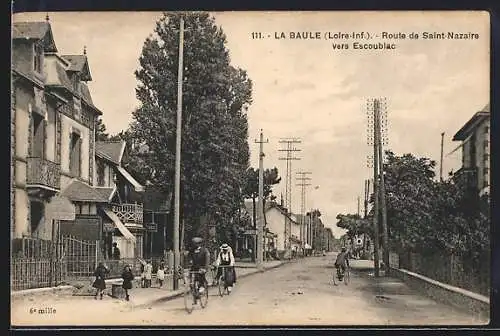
{"x": 358, "y": 207}
{"x": 372, "y": 111}
{"x": 260, "y": 215}
{"x": 367, "y": 197}
{"x": 441, "y": 162}
{"x": 303, "y": 184}
{"x": 178, "y": 156}
{"x": 288, "y": 190}
{"x": 385, "y": 234}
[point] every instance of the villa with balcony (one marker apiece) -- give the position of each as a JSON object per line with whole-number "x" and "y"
{"x": 52, "y": 128}
{"x": 123, "y": 213}
{"x": 54, "y": 152}
{"x": 475, "y": 138}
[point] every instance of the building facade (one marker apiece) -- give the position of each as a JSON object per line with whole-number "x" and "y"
{"x": 475, "y": 138}
{"x": 53, "y": 148}
{"x": 53, "y": 123}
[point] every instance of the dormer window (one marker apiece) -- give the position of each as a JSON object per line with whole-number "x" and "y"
{"x": 76, "y": 83}
{"x": 38, "y": 57}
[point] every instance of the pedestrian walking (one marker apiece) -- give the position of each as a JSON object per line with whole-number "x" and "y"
{"x": 143, "y": 275}
{"x": 127, "y": 277}
{"x": 148, "y": 273}
{"x": 160, "y": 275}
{"x": 116, "y": 252}
{"x": 100, "y": 279}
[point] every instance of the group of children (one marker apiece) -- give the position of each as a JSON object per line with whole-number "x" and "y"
{"x": 128, "y": 277}
{"x": 147, "y": 274}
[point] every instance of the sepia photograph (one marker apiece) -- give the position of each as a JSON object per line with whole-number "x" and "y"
{"x": 327, "y": 168}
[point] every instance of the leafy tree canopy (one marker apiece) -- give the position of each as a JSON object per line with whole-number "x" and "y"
{"x": 216, "y": 96}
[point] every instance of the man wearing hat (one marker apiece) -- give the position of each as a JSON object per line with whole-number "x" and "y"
{"x": 200, "y": 261}
{"x": 226, "y": 258}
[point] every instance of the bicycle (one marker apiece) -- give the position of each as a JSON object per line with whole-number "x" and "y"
{"x": 223, "y": 281}
{"x": 344, "y": 275}
{"x": 192, "y": 291}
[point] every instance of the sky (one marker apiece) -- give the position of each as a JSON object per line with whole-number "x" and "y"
{"x": 304, "y": 88}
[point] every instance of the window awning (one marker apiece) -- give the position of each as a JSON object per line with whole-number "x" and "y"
{"x": 137, "y": 186}
{"x": 119, "y": 225}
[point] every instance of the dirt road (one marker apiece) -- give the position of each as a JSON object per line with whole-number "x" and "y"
{"x": 300, "y": 293}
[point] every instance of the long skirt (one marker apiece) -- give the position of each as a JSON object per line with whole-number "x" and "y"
{"x": 99, "y": 284}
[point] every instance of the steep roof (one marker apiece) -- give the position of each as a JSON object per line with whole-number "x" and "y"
{"x": 35, "y": 31}
{"x": 79, "y": 191}
{"x": 110, "y": 150}
{"x": 79, "y": 63}
{"x": 472, "y": 124}
{"x": 268, "y": 205}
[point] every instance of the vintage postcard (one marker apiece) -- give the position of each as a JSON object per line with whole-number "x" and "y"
{"x": 250, "y": 168}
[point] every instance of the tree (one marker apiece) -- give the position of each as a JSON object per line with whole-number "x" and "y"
{"x": 251, "y": 186}
{"x": 431, "y": 215}
{"x": 101, "y": 132}
{"x": 216, "y": 95}
{"x": 410, "y": 196}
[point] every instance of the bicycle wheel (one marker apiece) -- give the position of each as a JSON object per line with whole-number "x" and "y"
{"x": 347, "y": 276}
{"x": 188, "y": 299}
{"x": 204, "y": 297}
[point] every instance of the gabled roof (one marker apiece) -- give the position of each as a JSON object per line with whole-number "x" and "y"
{"x": 268, "y": 206}
{"x": 79, "y": 63}
{"x": 110, "y": 150}
{"x": 86, "y": 94}
{"x": 35, "y": 31}
{"x": 79, "y": 191}
{"x": 249, "y": 206}
{"x": 472, "y": 124}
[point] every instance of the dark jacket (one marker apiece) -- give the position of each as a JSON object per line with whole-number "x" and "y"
{"x": 199, "y": 258}
{"x": 100, "y": 277}
{"x": 127, "y": 277}
{"x": 342, "y": 259}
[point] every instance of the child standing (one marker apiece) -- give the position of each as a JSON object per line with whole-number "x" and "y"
{"x": 127, "y": 277}
{"x": 100, "y": 279}
{"x": 161, "y": 275}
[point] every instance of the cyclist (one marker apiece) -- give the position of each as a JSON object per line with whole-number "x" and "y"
{"x": 226, "y": 258}
{"x": 342, "y": 261}
{"x": 199, "y": 258}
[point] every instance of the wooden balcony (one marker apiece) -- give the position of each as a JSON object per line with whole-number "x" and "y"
{"x": 43, "y": 176}
{"x": 129, "y": 213}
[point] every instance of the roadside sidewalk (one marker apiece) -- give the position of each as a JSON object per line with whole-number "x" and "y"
{"x": 138, "y": 296}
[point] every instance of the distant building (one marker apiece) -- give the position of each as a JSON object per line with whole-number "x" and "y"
{"x": 275, "y": 216}
{"x": 475, "y": 137}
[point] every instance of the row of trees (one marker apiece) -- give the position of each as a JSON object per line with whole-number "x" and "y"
{"x": 215, "y": 172}
{"x": 426, "y": 215}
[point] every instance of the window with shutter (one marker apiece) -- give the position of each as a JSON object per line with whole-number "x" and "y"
{"x": 44, "y": 143}
{"x": 80, "y": 157}
{"x": 37, "y": 57}
{"x": 75, "y": 154}
{"x": 38, "y": 136}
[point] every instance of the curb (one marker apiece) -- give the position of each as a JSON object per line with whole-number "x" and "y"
{"x": 457, "y": 297}
{"x": 180, "y": 292}
{"x": 32, "y": 291}
{"x": 42, "y": 290}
